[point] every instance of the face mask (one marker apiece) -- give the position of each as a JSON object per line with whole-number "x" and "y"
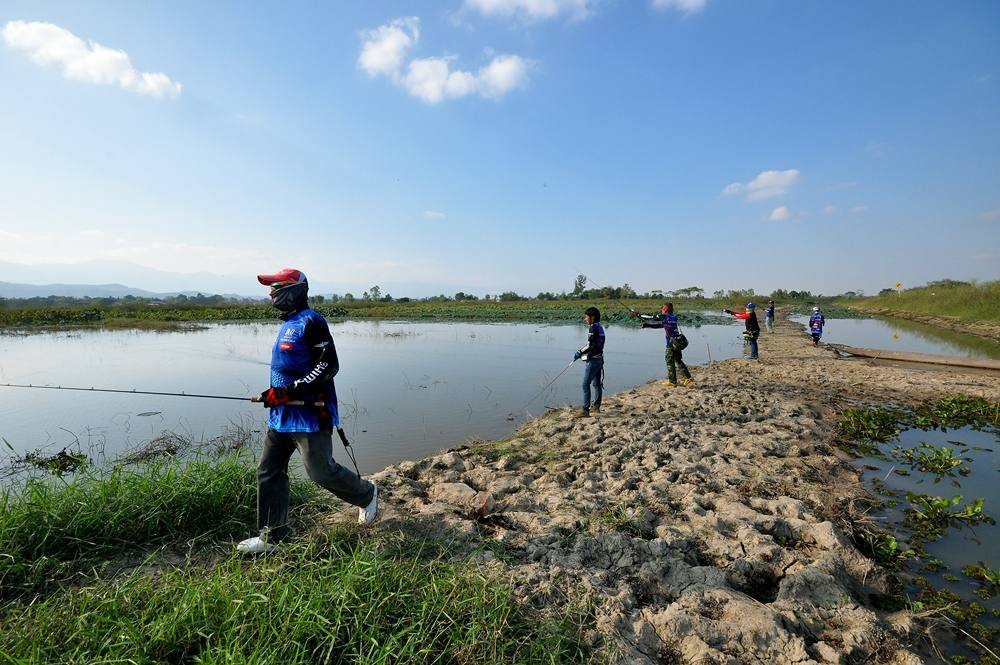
{"x": 289, "y": 297}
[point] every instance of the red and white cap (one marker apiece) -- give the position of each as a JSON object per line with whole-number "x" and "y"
{"x": 285, "y": 277}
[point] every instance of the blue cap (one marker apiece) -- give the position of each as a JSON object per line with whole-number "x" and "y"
{"x": 750, "y": 305}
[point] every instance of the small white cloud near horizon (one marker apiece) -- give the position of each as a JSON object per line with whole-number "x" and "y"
{"x": 532, "y": 10}
{"x": 992, "y": 215}
{"x": 766, "y": 185}
{"x": 829, "y": 210}
{"x": 859, "y": 209}
{"x": 984, "y": 256}
{"x": 433, "y": 80}
{"x": 779, "y": 214}
{"x": 433, "y": 214}
{"x": 684, "y": 6}
{"x": 89, "y": 62}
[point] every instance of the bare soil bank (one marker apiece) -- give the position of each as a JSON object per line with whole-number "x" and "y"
{"x": 707, "y": 524}
{"x": 988, "y": 329}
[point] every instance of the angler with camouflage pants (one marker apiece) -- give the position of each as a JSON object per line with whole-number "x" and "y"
{"x": 676, "y": 342}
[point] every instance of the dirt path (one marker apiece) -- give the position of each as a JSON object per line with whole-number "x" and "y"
{"x": 707, "y": 525}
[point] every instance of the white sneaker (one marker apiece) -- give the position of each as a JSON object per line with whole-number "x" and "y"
{"x": 367, "y": 514}
{"x": 256, "y": 545}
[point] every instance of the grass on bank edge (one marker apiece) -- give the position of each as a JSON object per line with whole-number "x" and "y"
{"x": 53, "y": 526}
{"x": 967, "y": 302}
{"x": 332, "y": 599}
{"x": 336, "y": 596}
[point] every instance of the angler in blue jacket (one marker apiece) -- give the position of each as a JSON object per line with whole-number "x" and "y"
{"x": 676, "y": 342}
{"x": 593, "y": 357}
{"x": 816, "y": 323}
{"x": 303, "y": 364}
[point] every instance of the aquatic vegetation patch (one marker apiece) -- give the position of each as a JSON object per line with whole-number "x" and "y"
{"x": 988, "y": 577}
{"x": 870, "y": 424}
{"x": 929, "y": 516}
{"x": 930, "y": 459}
{"x": 61, "y": 463}
{"x": 882, "y": 547}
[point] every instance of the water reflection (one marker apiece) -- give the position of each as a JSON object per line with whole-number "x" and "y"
{"x": 908, "y": 336}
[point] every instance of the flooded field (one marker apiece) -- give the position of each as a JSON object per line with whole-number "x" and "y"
{"x": 907, "y": 336}
{"x": 405, "y": 389}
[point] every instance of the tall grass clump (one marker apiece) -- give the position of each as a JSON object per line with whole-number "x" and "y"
{"x": 333, "y": 600}
{"x": 49, "y": 525}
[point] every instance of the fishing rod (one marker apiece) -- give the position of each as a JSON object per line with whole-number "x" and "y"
{"x": 547, "y": 385}
{"x": 617, "y": 300}
{"x": 256, "y": 398}
{"x": 152, "y": 392}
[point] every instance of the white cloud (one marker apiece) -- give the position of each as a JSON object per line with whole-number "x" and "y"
{"x": 766, "y": 185}
{"x": 434, "y": 79}
{"x": 683, "y": 6}
{"x": 85, "y": 61}
{"x": 779, "y": 214}
{"x": 992, "y": 214}
{"x": 984, "y": 256}
{"x": 859, "y": 209}
{"x": 532, "y": 10}
{"x": 433, "y": 214}
{"x": 386, "y": 46}
{"x": 829, "y": 210}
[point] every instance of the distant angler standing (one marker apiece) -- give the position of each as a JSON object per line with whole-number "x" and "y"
{"x": 303, "y": 364}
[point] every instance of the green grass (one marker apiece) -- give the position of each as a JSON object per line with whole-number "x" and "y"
{"x": 689, "y": 311}
{"x": 52, "y": 526}
{"x": 968, "y": 302}
{"x": 334, "y": 599}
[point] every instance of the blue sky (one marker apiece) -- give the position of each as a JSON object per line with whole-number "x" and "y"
{"x": 486, "y": 145}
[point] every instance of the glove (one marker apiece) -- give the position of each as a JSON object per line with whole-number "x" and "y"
{"x": 727, "y": 311}
{"x": 577, "y": 355}
{"x": 273, "y": 397}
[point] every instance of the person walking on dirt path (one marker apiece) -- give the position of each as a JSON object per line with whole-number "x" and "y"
{"x": 593, "y": 356}
{"x": 816, "y": 322}
{"x": 769, "y": 316}
{"x": 753, "y": 327}
{"x": 676, "y": 342}
{"x": 303, "y": 364}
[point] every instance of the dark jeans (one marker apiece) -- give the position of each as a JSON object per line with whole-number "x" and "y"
{"x": 752, "y": 341}
{"x": 316, "y": 449}
{"x": 593, "y": 373}
{"x": 675, "y": 362}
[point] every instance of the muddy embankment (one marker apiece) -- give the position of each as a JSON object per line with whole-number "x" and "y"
{"x": 986, "y": 329}
{"x": 707, "y": 524}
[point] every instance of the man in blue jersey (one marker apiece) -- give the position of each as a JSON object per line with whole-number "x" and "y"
{"x": 593, "y": 357}
{"x": 303, "y": 364}
{"x": 769, "y": 316}
{"x": 676, "y": 342}
{"x": 816, "y": 323}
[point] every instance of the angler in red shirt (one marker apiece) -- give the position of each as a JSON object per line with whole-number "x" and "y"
{"x": 753, "y": 326}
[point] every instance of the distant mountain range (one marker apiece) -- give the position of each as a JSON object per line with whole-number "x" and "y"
{"x": 12, "y": 290}
{"x": 103, "y": 279}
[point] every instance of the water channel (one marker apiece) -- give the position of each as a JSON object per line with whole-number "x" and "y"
{"x": 406, "y": 389}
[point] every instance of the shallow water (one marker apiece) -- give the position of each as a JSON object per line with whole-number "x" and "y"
{"x": 961, "y": 545}
{"x": 405, "y": 389}
{"x": 906, "y": 336}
